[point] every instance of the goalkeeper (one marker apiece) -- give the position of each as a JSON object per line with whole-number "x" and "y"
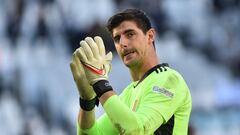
{"x": 157, "y": 101}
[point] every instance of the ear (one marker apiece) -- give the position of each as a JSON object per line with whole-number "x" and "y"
{"x": 151, "y": 35}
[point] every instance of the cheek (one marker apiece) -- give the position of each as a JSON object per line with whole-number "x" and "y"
{"x": 143, "y": 50}
{"x": 141, "y": 45}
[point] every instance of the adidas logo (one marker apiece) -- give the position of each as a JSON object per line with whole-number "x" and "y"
{"x": 163, "y": 91}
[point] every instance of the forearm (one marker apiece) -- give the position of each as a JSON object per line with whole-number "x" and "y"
{"x": 87, "y": 124}
{"x": 86, "y": 119}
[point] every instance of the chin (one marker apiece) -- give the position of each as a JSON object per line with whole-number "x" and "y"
{"x": 131, "y": 64}
{"x": 127, "y": 64}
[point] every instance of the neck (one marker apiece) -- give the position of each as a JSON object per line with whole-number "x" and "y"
{"x": 138, "y": 71}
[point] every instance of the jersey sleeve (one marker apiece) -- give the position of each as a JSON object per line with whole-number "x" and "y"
{"x": 102, "y": 126}
{"x": 129, "y": 122}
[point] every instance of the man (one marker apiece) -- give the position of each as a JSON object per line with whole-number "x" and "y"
{"x": 158, "y": 100}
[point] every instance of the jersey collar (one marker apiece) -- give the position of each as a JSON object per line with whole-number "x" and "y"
{"x": 155, "y": 68}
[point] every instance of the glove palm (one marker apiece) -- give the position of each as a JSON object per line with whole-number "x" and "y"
{"x": 85, "y": 90}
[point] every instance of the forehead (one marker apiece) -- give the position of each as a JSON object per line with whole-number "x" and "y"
{"x": 125, "y": 25}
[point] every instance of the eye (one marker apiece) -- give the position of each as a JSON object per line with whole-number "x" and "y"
{"x": 116, "y": 39}
{"x": 130, "y": 34}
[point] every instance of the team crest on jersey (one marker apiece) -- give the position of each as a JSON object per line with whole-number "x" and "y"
{"x": 163, "y": 91}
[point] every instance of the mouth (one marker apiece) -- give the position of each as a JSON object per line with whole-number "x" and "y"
{"x": 128, "y": 52}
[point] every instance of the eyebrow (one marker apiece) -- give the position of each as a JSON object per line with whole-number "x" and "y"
{"x": 126, "y": 31}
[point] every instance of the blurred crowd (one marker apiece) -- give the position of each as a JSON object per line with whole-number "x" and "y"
{"x": 199, "y": 38}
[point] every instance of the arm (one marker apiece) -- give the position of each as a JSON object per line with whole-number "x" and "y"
{"x": 86, "y": 115}
{"x": 86, "y": 119}
{"x": 124, "y": 119}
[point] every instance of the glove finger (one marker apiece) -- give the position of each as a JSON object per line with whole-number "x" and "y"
{"x": 78, "y": 64}
{"x": 101, "y": 46}
{"x": 87, "y": 50}
{"x": 73, "y": 61}
{"x": 108, "y": 67}
{"x": 109, "y": 56}
{"x": 108, "y": 59}
{"x": 81, "y": 55}
{"x": 73, "y": 68}
{"x": 93, "y": 46}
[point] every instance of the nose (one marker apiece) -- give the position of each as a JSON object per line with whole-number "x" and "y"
{"x": 123, "y": 42}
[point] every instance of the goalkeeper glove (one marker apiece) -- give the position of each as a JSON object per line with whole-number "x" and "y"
{"x": 85, "y": 90}
{"x": 96, "y": 63}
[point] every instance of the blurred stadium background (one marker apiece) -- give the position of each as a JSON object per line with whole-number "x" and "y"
{"x": 199, "y": 38}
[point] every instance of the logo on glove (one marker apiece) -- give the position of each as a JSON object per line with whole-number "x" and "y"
{"x": 99, "y": 71}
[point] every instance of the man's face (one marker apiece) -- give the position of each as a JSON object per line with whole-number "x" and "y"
{"x": 131, "y": 43}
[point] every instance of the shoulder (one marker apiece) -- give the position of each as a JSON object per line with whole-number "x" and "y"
{"x": 173, "y": 76}
{"x": 166, "y": 74}
{"x": 168, "y": 78}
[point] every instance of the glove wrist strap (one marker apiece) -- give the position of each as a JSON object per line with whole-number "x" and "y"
{"x": 101, "y": 87}
{"x": 88, "y": 105}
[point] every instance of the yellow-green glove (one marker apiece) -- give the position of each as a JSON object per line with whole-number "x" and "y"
{"x": 84, "y": 88}
{"x": 94, "y": 59}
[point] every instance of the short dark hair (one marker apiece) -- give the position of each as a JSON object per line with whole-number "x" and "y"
{"x": 136, "y": 15}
